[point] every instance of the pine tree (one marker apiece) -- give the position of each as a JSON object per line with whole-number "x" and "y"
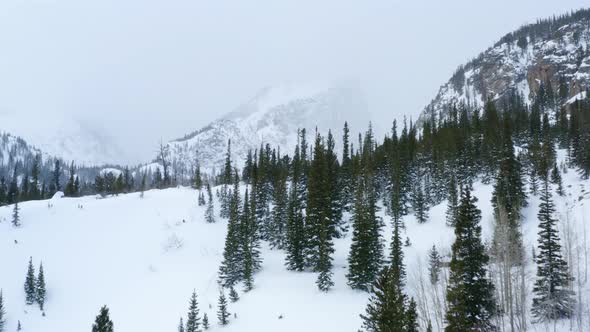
{"x": 15, "y": 215}
{"x": 230, "y": 269}
{"x": 40, "y": 288}
{"x": 277, "y": 233}
{"x": 324, "y": 266}
{"x": 103, "y": 322}
{"x": 386, "y": 311}
{"x": 30, "y": 287}
{"x": 181, "y": 325}
{"x": 453, "y": 202}
{"x": 209, "y": 213}
{"x": 193, "y": 321}
{"x": 2, "y": 313}
{"x": 19, "y": 326}
{"x": 556, "y": 180}
{"x": 470, "y": 296}
{"x": 420, "y": 205}
{"x": 552, "y": 297}
{"x": 295, "y": 259}
{"x": 56, "y": 176}
{"x": 205, "y": 321}
{"x": 142, "y": 186}
{"x": 411, "y": 324}
{"x": 363, "y": 259}
{"x": 222, "y": 313}
{"x": 233, "y": 295}
{"x": 198, "y": 180}
{"x": 434, "y": 265}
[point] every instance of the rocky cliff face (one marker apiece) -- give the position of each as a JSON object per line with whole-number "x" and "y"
{"x": 553, "y": 53}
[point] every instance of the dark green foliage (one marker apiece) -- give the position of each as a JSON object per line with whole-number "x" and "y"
{"x": 103, "y": 322}
{"x": 556, "y": 180}
{"x": 209, "y": 212}
{"x": 2, "y": 313}
{"x": 453, "y": 202}
{"x": 420, "y": 205}
{"x": 434, "y": 265}
{"x": 181, "y": 325}
{"x": 30, "y": 285}
{"x": 15, "y": 215}
{"x": 470, "y": 293}
{"x": 40, "y": 288}
{"x": 193, "y": 321}
{"x": 387, "y": 308}
{"x": 552, "y": 297}
{"x": 205, "y": 321}
{"x": 295, "y": 259}
{"x": 230, "y": 271}
{"x": 411, "y": 317}
{"x": 233, "y": 295}
{"x": 222, "y": 313}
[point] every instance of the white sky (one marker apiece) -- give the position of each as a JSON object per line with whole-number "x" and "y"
{"x": 147, "y": 69}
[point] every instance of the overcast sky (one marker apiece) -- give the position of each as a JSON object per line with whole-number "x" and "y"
{"x": 146, "y": 69}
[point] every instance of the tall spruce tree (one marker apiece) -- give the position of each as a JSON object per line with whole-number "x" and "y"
{"x": 552, "y": 297}
{"x": 41, "y": 292}
{"x": 453, "y": 202}
{"x": 222, "y": 313}
{"x": 434, "y": 265}
{"x": 295, "y": 259}
{"x": 193, "y": 320}
{"x": 15, "y": 215}
{"x": 2, "y": 313}
{"x": 210, "y": 211}
{"x": 205, "y": 321}
{"x": 230, "y": 269}
{"x": 181, "y": 325}
{"x": 470, "y": 293}
{"x": 30, "y": 285}
{"x": 103, "y": 322}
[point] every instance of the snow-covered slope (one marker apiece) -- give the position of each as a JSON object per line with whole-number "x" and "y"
{"x": 64, "y": 137}
{"x": 551, "y": 51}
{"x": 143, "y": 258}
{"x": 272, "y": 116}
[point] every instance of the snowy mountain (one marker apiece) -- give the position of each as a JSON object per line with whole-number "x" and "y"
{"x": 64, "y": 137}
{"x": 272, "y": 116}
{"x": 553, "y": 53}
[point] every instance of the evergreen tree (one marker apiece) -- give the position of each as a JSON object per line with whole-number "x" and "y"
{"x": 40, "y": 288}
{"x": 434, "y": 265}
{"x": 233, "y": 295}
{"x": 363, "y": 260}
{"x": 420, "y": 205}
{"x": 230, "y": 270}
{"x": 181, "y": 325}
{"x": 56, "y": 176}
{"x": 103, "y": 322}
{"x": 222, "y": 313}
{"x": 19, "y": 326}
{"x": 209, "y": 213}
{"x": 15, "y": 215}
{"x": 198, "y": 180}
{"x": 386, "y": 311}
{"x": 295, "y": 259}
{"x": 346, "y": 177}
{"x": 470, "y": 296}
{"x": 205, "y": 321}
{"x": 411, "y": 324}
{"x": 193, "y": 321}
{"x": 30, "y": 287}
{"x": 35, "y": 172}
{"x": 2, "y": 313}
{"x": 324, "y": 267}
{"x": 277, "y": 233}
{"x": 556, "y": 180}
{"x": 552, "y": 297}
{"x": 453, "y": 202}
{"x": 142, "y": 186}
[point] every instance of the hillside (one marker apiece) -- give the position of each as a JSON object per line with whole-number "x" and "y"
{"x": 552, "y": 53}
{"x": 143, "y": 257}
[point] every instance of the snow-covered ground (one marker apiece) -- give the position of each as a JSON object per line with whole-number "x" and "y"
{"x": 144, "y": 257}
